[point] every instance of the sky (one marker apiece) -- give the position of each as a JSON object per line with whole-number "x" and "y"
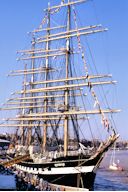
{"x": 22, "y": 16}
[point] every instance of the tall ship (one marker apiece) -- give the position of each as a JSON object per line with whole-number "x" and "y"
{"x": 59, "y": 111}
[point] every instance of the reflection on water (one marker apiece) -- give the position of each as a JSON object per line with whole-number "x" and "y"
{"x": 108, "y": 180}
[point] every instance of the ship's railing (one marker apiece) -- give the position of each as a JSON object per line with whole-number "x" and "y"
{"x": 69, "y": 153}
{"x": 40, "y": 158}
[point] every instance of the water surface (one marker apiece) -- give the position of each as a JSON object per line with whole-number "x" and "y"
{"x": 108, "y": 180}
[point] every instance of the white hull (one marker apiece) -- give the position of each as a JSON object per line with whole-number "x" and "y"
{"x": 56, "y": 171}
{"x": 115, "y": 168}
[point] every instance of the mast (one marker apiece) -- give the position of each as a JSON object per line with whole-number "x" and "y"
{"x": 66, "y": 121}
{"x": 49, "y": 100}
{"x": 46, "y": 78}
{"x": 32, "y": 86}
{"x": 23, "y": 110}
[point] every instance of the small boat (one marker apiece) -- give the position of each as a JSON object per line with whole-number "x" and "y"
{"x": 114, "y": 166}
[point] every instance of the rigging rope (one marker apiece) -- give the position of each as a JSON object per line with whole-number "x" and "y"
{"x": 52, "y": 12}
{"x": 104, "y": 119}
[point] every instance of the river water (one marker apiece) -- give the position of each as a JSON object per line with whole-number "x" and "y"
{"x": 106, "y": 180}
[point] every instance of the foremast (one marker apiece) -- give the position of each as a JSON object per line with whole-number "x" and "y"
{"x": 46, "y": 78}
{"x": 29, "y": 136}
{"x": 66, "y": 121}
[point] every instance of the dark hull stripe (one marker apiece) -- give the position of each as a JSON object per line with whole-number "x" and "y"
{"x": 72, "y": 179}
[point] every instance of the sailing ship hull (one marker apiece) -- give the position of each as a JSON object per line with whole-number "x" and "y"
{"x": 72, "y": 179}
{"x": 71, "y": 171}
{"x": 75, "y": 176}
{"x": 51, "y": 107}
{"x": 74, "y": 171}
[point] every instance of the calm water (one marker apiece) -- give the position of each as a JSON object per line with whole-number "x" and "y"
{"x": 107, "y": 180}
